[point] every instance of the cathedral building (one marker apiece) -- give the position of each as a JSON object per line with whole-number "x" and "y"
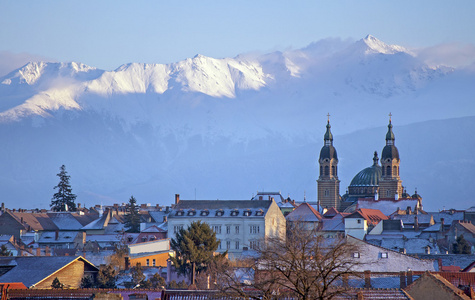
{"x": 377, "y": 184}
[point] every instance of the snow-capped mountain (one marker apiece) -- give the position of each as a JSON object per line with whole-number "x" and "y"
{"x": 224, "y": 128}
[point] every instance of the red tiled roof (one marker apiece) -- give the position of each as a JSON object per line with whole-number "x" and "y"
{"x": 372, "y": 216}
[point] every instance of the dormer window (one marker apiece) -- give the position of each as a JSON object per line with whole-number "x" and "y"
{"x": 234, "y": 213}
{"x": 204, "y": 212}
{"x": 180, "y": 213}
{"x": 260, "y": 212}
{"x": 219, "y": 212}
{"x": 247, "y": 213}
{"x": 192, "y": 212}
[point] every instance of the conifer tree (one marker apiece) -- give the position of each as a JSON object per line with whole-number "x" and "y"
{"x": 194, "y": 248}
{"x": 461, "y": 246}
{"x": 132, "y": 219}
{"x": 63, "y": 199}
{"x": 4, "y": 251}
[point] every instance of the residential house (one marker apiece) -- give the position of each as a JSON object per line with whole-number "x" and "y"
{"x": 358, "y": 223}
{"x": 378, "y": 259}
{"x": 434, "y": 287}
{"x": 239, "y": 224}
{"x": 38, "y": 272}
{"x": 306, "y": 216}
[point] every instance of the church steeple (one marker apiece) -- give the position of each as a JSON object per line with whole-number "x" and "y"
{"x": 328, "y": 183}
{"x": 391, "y": 184}
{"x": 328, "y": 137}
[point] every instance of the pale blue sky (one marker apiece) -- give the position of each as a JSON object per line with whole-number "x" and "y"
{"x": 107, "y": 34}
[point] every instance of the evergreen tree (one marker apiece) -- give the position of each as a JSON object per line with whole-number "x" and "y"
{"x": 194, "y": 248}
{"x": 63, "y": 200}
{"x": 56, "y": 284}
{"x": 106, "y": 277}
{"x": 461, "y": 246}
{"x": 4, "y": 251}
{"x": 132, "y": 219}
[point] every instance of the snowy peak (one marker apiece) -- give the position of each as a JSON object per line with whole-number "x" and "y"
{"x": 373, "y": 45}
{"x": 32, "y": 72}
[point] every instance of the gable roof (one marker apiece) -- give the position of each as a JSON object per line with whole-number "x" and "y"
{"x": 36, "y": 221}
{"x": 441, "y": 282}
{"x": 330, "y": 213}
{"x": 372, "y": 216}
{"x": 31, "y": 270}
{"x": 304, "y": 213}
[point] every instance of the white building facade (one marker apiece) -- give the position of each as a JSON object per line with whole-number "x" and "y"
{"x": 239, "y": 224}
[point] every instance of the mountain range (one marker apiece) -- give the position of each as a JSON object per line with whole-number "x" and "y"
{"x": 226, "y": 128}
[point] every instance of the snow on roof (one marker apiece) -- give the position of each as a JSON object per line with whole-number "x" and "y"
{"x": 304, "y": 213}
{"x": 387, "y": 207}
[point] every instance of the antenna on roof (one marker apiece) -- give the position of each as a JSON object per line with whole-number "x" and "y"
{"x": 304, "y": 197}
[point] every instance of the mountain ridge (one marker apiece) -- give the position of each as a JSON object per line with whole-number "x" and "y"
{"x": 224, "y": 126}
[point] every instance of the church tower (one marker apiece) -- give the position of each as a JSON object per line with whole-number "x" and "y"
{"x": 328, "y": 185}
{"x": 390, "y": 185}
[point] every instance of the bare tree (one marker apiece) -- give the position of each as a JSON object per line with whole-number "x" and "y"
{"x": 305, "y": 265}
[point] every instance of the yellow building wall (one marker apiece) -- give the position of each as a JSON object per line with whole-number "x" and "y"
{"x": 160, "y": 260}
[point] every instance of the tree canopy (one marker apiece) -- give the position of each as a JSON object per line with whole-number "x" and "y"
{"x": 132, "y": 219}
{"x": 4, "y": 251}
{"x": 63, "y": 199}
{"x": 461, "y": 246}
{"x": 303, "y": 264}
{"x": 194, "y": 249}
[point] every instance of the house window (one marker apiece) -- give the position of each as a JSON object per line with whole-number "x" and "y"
{"x": 228, "y": 245}
{"x": 192, "y": 212}
{"x": 356, "y": 254}
{"x": 177, "y": 228}
{"x": 130, "y": 239}
{"x": 219, "y": 246}
{"x": 148, "y": 262}
{"x": 260, "y": 212}
{"x": 254, "y": 229}
{"x": 327, "y": 193}
{"x": 254, "y": 245}
{"x": 247, "y": 213}
{"x": 204, "y": 212}
{"x": 234, "y": 213}
{"x": 236, "y": 245}
{"x": 358, "y": 221}
{"x": 388, "y": 193}
{"x": 219, "y": 213}
{"x": 384, "y": 255}
{"x": 217, "y": 229}
{"x": 236, "y": 229}
{"x": 228, "y": 229}
{"x": 153, "y": 262}
{"x": 180, "y": 213}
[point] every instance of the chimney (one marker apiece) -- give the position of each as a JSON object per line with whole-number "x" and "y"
{"x": 79, "y": 206}
{"x": 416, "y": 223}
{"x": 3, "y": 206}
{"x": 38, "y": 251}
{"x": 56, "y": 235}
{"x": 260, "y": 197}
{"x": 402, "y": 279}
{"x": 167, "y": 209}
{"x": 47, "y": 251}
{"x": 127, "y": 263}
{"x": 367, "y": 279}
{"x": 409, "y": 277}
{"x": 345, "y": 281}
{"x": 177, "y": 198}
{"x": 165, "y": 219}
{"x": 144, "y": 206}
{"x": 442, "y": 220}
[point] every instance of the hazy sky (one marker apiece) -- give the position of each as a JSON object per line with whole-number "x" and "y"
{"x": 107, "y": 34}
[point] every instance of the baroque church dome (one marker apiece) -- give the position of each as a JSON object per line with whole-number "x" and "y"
{"x": 369, "y": 176}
